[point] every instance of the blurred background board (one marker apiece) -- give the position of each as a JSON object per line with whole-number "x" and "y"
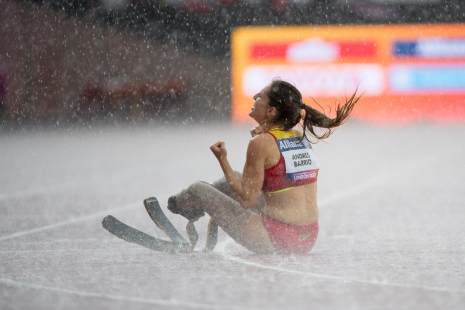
{"x": 408, "y": 72}
{"x": 131, "y": 61}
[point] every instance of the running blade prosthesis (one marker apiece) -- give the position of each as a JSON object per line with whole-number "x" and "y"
{"x": 177, "y": 244}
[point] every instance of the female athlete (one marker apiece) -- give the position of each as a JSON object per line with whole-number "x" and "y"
{"x": 272, "y": 206}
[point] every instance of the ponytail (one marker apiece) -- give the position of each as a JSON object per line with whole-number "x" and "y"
{"x": 314, "y": 118}
{"x": 287, "y": 99}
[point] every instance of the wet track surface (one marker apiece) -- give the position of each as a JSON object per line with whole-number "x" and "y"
{"x": 392, "y": 214}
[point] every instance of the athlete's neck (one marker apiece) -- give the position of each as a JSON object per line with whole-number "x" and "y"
{"x": 270, "y": 127}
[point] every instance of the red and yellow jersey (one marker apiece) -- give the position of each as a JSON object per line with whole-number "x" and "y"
{"x": 297, "y": 164}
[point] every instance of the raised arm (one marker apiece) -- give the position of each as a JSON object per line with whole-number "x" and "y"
{"x": 249, "y": 188}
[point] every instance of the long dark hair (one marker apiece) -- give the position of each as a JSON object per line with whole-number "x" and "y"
{"x": 287, "y": 99}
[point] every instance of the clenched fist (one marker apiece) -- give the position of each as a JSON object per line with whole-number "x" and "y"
{"x": 256, "y": 131}
{"x": 219, "y": 150}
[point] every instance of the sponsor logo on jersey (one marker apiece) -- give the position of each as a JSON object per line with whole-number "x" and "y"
{"x": 303, "y": 176}
{"x": 304, "y": 237}
{"x": 287, "y": 144}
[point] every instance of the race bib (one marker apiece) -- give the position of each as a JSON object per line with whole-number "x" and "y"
{"x": 301, "y": 162}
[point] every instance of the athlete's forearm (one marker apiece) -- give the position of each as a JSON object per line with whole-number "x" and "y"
{"x": 235, "y": 183}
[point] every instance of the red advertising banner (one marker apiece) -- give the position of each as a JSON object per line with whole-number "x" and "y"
{"x": 408, "y": 72}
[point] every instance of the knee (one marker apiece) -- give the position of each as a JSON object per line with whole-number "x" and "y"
{"x": 197, "y": 188}
{"x": 203, "y": 191}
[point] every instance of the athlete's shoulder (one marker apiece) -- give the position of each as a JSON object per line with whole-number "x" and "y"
{"x": 261, "y": 139}
{"x": 296, "y": 132}
{"x": 257, "y": 148}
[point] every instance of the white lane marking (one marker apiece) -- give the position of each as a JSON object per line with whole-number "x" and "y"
{"x": 170, "y": 302}
{"x": 221, "y": 251}
{"x": 63, "y": 186}
{"x": 56, "y": 251}
{"x": 40, "y": 190}
{"x": 362, "y": 187}
{"x": 71, "y": 221}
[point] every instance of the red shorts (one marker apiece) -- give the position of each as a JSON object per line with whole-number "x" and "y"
{"x": 288, "y": 238}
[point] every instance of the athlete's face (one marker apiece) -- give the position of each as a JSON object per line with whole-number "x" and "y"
{"x": 260, "y": 110}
